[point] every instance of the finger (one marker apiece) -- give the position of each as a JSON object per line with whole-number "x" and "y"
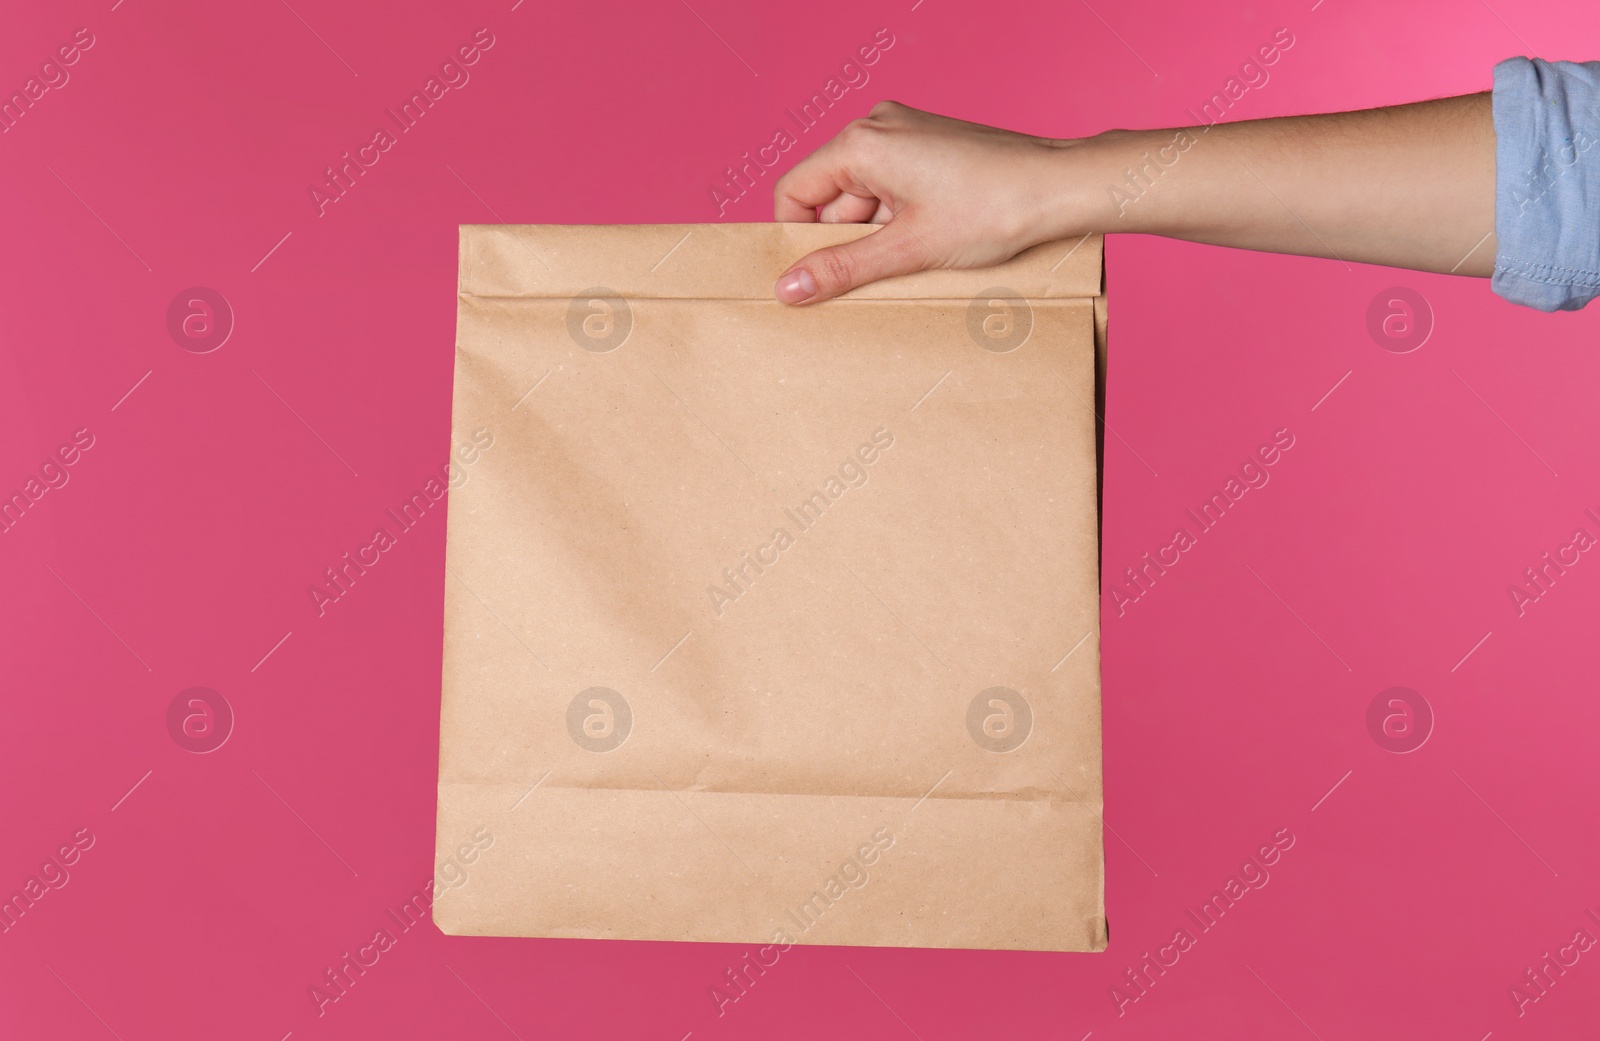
{"x": 826, "y": 273}
{"x": 816, "y": 180}
{"x": 849, "y": 209}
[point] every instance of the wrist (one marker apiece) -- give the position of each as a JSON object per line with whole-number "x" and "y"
{"x": 1108, "y": 182}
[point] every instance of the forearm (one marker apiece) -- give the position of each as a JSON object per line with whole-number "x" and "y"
{"x": 1410, "y": 186}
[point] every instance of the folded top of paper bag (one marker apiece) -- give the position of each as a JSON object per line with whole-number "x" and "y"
{"x": 731, "y": 261}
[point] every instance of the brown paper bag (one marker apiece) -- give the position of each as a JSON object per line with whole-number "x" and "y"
{"x": 767, "y": 624}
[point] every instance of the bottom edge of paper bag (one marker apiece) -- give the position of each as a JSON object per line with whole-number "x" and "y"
{"x": 776, "y": 869}
{"x": 1096, "y": 939}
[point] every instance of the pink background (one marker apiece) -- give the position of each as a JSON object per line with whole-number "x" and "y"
{"x": 180, "y": 154}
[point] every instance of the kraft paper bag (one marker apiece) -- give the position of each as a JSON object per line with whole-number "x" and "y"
{"x": 765, "y": 624}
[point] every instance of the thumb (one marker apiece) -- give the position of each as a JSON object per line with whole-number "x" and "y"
{"x": 826, "y": 273}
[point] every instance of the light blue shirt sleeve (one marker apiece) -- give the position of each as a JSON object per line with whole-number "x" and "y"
{"x": 1547, "y": 183}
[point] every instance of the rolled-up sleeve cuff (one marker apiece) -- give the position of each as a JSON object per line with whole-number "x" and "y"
{"x": 1547, "y": 183}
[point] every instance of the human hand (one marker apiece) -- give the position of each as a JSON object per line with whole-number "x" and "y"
{"x": 1408, "y": 186}
{"x": 949, "y": 194}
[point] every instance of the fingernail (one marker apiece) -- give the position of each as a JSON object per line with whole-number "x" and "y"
{"x": 796, "y": 286}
